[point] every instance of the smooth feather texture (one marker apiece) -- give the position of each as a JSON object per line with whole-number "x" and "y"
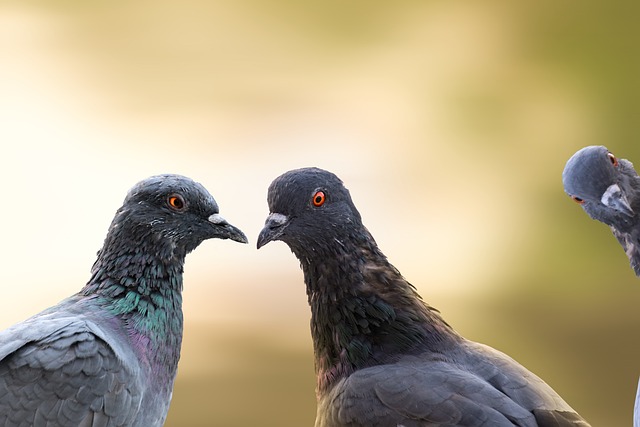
{"x": 107, "y": 356}
{"x": 383, "y": 356}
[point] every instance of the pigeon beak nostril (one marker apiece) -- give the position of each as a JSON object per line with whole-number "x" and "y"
{"x": 276, "y": 220}
{"x": 217, "y": 219}
{"x": 224, "y": 230}
{"x": 273, "y": 228}
{"x": 615, "y": 198}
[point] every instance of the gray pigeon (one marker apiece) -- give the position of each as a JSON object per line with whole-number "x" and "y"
{"x": 107, "y": 356}
{"x": 608, "y": 189}
{"x": 384, "y": 357}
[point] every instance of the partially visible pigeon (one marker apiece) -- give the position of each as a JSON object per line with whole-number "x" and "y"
{"x": 608, "y": 189}
{"x": 107, "y": 356}
{"x": 383, "y": 357}
{"x": 636, "y": 408}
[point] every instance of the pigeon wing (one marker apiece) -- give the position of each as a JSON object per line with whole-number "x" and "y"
{"x": 521, "y": 386}
{"x": 483, "y": 390}
{"x": 63, "y": 372}
{"x": 419, "y": 395}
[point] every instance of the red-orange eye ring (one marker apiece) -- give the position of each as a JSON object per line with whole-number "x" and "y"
{"x": 578, "y": 200}
{"x": 612, "y": 159}
{"x": 176, "y": 202}
{"x": 318, "y": 199}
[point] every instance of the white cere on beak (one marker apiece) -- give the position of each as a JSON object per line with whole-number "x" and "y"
{"x": 217, "y": 219}
{"x": 277, "y": 218}
{"x": 612, "y": 192}
{"x": 616, "y": 199}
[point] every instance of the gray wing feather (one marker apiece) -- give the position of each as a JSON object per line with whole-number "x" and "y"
{"x": 425, "y": 394}
{"x": 65, "y": 371}
{"x": 477, "y": 387}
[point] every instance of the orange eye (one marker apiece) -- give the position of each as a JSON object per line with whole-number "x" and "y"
{"x": 612, "y": 159}
{"x": 318, "y": 199}
{"x": 176, "y": 202}
{"x": 578, "y": 200}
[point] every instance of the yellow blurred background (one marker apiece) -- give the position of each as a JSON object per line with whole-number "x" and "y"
{"x": 450, "y": 122}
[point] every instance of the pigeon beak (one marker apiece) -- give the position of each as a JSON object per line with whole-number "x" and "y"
{"x": 224, "y": 230}
{"x": 614, "y": 198}
{"x": 273, "y": 228}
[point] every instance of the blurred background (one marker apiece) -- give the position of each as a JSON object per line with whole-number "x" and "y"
{"x": 450, "y": 122}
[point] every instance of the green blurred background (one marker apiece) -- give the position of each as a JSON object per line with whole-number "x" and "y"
{"x": 450, "y": 122}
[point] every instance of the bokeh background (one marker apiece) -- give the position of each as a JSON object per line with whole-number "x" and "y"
{"x": 450, "y": 122}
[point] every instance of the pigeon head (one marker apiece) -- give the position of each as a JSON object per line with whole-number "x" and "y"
{"x": 363, "y": 312}
{"x": 309, "y": 208}
{"x": 598, "y": 181}
{"x": 175, "y": 212}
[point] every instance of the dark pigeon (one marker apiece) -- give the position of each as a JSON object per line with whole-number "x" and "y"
{"x": 107, "y": 356}
{"x": 608, "y": 189}
{"x": 383, "y": 357}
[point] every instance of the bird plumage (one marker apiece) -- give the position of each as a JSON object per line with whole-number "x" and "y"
{"x": 107, "y": 356}
{"x": 383, "y": 356}
{"x": 608, "y": 189}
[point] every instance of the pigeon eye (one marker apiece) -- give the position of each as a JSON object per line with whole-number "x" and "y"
{"x": 612, "y": 159}
{"x": 318, "y": 199}
{"x": 578, "y": 200}
{"x": 176, "y": 202}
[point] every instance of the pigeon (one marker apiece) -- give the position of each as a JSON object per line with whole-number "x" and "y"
{"x": 107, "y": 356}
{"x": 608, "y": 189}
{"x": 383, "y": 357}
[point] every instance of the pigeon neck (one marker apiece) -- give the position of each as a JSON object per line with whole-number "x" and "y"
{"x": 139, "y": 280}
{"x": 364, "y": 313}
